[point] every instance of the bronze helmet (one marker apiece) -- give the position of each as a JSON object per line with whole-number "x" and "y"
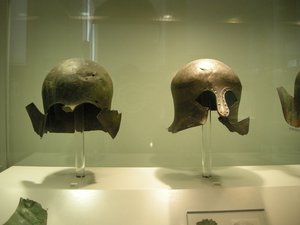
{"x": 291, "y": 105}
{"x": 203, "y": 85}
{"x": 77, "y": 96}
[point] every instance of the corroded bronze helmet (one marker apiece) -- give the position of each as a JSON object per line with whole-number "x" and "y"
{"x": 203, "y": 85}
{"x": 291, "y": 105}
{"x": 77, "y": 96}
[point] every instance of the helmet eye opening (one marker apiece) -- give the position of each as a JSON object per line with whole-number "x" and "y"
{"x": 86, "y": 108}
{"x": 83, "y": 117}
{"x": 207, "y": 99}
{"x": 230, "y": 98}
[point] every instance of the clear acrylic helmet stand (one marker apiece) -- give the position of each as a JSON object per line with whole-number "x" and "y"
{"x": 80, "y": 149}
{"x": 88, "y": 40}
{"x": 206, "y": 147}
{"x": 80, "y": 159}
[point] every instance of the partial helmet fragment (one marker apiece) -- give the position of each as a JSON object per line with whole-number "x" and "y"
{"x": 203, "y": 85}
{"x": 28, "y": 212}
{"x": 291, "y": 105}
{"x": 77, "y": 96}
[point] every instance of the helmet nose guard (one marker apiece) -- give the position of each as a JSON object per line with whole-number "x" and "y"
{"x": 203, "y": 85}
{"x": 77, "y": 96}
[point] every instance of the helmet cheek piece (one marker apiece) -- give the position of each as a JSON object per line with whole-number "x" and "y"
{"x": 214, "y": 87}
{"x": 187, "y": 116}
{"x": 230, "y": 120}
{"x": 77, "y": 96}
{"x": 232, "y": 123}
{"x": 291, "y": 105}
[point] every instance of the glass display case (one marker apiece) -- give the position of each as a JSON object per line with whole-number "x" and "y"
{"x": 142, "y": 44}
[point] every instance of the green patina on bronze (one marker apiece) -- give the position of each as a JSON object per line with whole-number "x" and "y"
{"x": 28, "y": 212}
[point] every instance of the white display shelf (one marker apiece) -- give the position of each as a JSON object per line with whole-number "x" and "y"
{"x": 148, "y": 196}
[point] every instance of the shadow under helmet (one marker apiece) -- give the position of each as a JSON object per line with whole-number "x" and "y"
{"x": 291, "y": 105}
{"x": 77, "y": 96}
{"x": 203, "y": 85}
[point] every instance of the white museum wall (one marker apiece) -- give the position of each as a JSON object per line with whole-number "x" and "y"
{"x": 259, "y": 40}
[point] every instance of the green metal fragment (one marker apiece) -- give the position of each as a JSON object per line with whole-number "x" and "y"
{"x": 28, "y": 212}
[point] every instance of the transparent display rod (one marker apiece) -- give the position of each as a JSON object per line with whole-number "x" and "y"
{"x": 80, "y": 149}
{"x": 89, "y": 47}
{"x": 80, "y": 159}
{"x": 206, "y": 148}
